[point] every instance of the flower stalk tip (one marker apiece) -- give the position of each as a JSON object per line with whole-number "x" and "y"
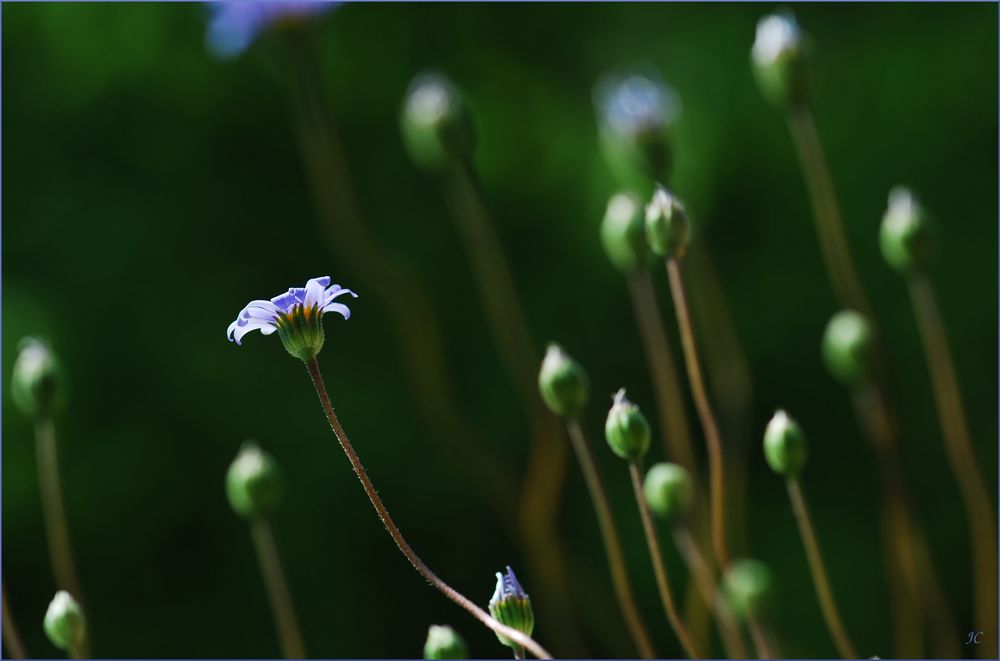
{"x": 436, "y": 125}
{"x": 906, "y": 236}
{"x": 38, "y": 385}
{"x": 848, "y": 345}
{"x": 623, "y": 234}
{"x": 780, "y": 60}
{"x": 667, "y": 225}
{"x": 626, "y": 429}
{"x": 443, "y": 642}
{"x": 785, "y": 446}
{"x": 253, "y": 482}
{"x": 562, "y": 383}
{"x": 511, "y": 606}
{"x": 669, "y": 491}
{"x": 64, "y": 623}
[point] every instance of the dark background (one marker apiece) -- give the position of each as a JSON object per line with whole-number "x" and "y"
{"x": 151, "y": 190}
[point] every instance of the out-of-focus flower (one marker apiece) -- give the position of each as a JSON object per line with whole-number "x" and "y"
{"x": 435, "y": 122}
{"x": 626, "y": 429}
{"x": 667, "y": 225}
{"x": 906, "y": 235}
{"x": 64, "y": 623}
{"x": 38, "y": 384}
{"x": 635, "y": 114}
{"x": 511, "y": 605}
{"x": 443, "y": 642}
{"x": 235, "y": 24}
{"x": 779, "y": 57}
{"x": 296, "y": 315}
{"x": 253, "y": 482}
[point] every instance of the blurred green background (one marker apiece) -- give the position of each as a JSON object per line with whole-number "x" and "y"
{"x": 151, "y": 190}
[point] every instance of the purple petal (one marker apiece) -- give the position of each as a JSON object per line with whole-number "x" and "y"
{"x": 340, "y": 308}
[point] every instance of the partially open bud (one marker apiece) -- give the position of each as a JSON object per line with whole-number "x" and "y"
{"x": 511, "y": 605}
{"x": 38, "y": 386}
{"x": 780, "y": 60}
{"x": 669, "y": 491}
{"x": 747, "y": 585}
{"x": 785, "y": 446}
{"x": 636, "y": 113}
{"x": 626, "y": 429}
{"x": 847, "y": 347}
{"x": 623, "y": 234}
{"x": 64, "y": 623}
{"x": 253, "y": 482}
{"x": 443, "y": 642}
{"x": 562, "y": 382}
{"x": 666, "y": 224}
{"x": 435, "y": 122}
{"x": 906, "y": 235}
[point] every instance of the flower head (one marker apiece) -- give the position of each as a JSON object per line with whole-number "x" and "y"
{"x": 906, "y": 236}
{"x": 636, "y": 113}
{"x": 296, "y": 315}
{"x": 511, "y": 605}
{"x": 253, "y": 482}
{"x": 38, "y": 386}
{"x": 626, "y": 429}
{"x": 779, "y": 57}
{"x": 435, "y": 121}
{"x": 64, "y": 623}
{"x": 443, "y": 642}
{"x": 562, "y": 382}
{"x": 667, "y": 225}
{"x": 235, "y": 24}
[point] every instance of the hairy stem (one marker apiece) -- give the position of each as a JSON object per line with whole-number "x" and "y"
{"x": 11, "y": 638}
{"x": 709, "y": 425}
{"x": 670, "y": 405}
{"x": 612, "y": 543}
{"x": 56, "y": 527}
{"x": 820, "y": 579}
{"x": 383, "y": 514}
{"x": 826, "y": 211}
{"x": 701, "y": 572}
{"x": 961, "y": 456}
{"x": 277, "y": 589}
{"x": 659, "y": 569}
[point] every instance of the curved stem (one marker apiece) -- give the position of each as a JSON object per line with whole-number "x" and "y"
{"x": 56, "y": 528}
{"x": 961, "y": 456}
{"x": 826, "y": 211}
{"x": 701, "y": 571}
{"x": 11, "y": 637}
{"x": 670, "y": 406}
{"x": 383, "y": 514}
{"x": 659, "y": 569}
{"x": 820, "y": 579}
{"x": 708, "y": 422}
{"x": 277, "y": 589}
{"x": 760, "y": 638}
{"x": 612, "y": 543}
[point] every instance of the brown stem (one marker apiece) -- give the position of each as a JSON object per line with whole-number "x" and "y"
{"x": 612, "y": 543}
{"x": 820, "y": 579}
{"x": 11, "y": 637}
{"x": 701, "y": 571}
{"x": 826, "y": 211}
{"x": 670, "y": 405}
{"x": 961, "y": 456}
{"x": 277, "y": 589}
{"x": 760, "y": 638}
{"x": 383, "y": 514}
{"x": 659, "y": 569}
{"x": 56, "y": 527}
{"x": 712, "y": 440}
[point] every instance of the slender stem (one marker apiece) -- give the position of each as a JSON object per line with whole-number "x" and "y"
{"x": 760, "y": 638}
{"x": 659, "y": 569}
{"x": 820, "y": 579}
{"x": 518, "y": 653}
{"x": 671, "y": 408}
{"x": 494, "y": 281}
{"x": 418, "y": 334}
{"x": 958, "y": 448}
{"x": 612, "y": 543}
{"x": 826, "y": 211}
{"x": 709, "y": 425}
{"x": 277, "y": 589}
{"x": 56, "y": 528}
{"x": 701, "y": 571}
{"x": 383, "y": 514}
{"x": 11, "y": 637}
{"x": 545, "y": 474}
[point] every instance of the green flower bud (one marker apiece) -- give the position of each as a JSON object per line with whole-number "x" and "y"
{"x": 443, "y": 642}
{"x": 669, "y": 491}
{"x": 253, "y": 482}
{"x": 906, "y": 235}
{"x": 747, "y": 586}
{"x": 780, "y": 56}
{"x": 785, "y": 446}
{"x": 64, "y": 623}
{"x": 666, "y": 224}
{"x": 626, "y": 429}
{"x": 562, "y": 382}
{"x": 511, "y": 605}
{"x": 636, "y": 114}
{"x": 38, "y": 386}
{"x": 847, "y": 347}
{"x": 435, "y": 122}
{"x": 623, "y": 234}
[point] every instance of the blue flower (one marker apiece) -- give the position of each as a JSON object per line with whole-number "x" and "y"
{"x": 235, "y": 24}
{"x": 511, "y": 605}
{"x": 296, "y": 315}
